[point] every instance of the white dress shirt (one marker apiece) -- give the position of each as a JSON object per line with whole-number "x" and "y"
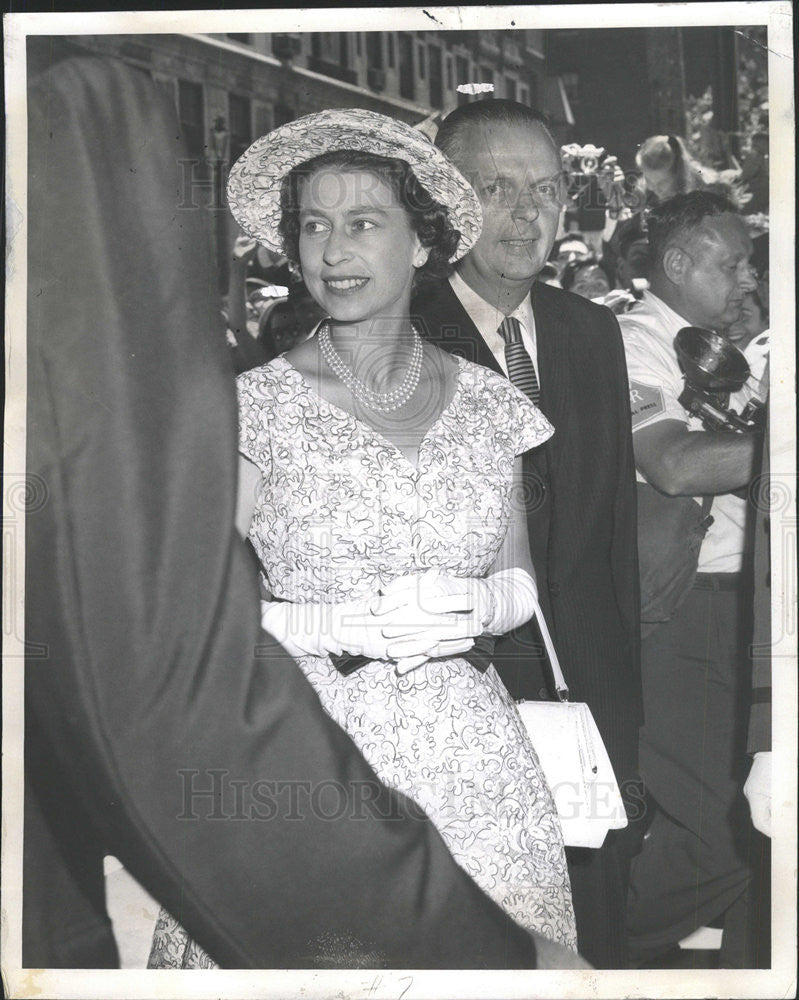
{"x": 487, "y": 319}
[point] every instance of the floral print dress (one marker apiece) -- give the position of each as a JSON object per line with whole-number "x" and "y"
{"x": 341, "y": 512}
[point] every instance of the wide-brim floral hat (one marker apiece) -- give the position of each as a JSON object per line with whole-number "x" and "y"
{"x": 256, "y": 178}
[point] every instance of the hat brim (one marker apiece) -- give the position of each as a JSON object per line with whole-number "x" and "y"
{"x": 256, "y": 178}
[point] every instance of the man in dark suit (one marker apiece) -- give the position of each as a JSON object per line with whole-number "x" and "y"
{"x": 162, "y": 725}
{"x": 580, "y": 485}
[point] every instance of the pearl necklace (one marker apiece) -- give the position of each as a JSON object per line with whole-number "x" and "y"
{"x": 384, "y": 402}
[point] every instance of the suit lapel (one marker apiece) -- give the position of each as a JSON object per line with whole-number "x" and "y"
{"x": 445, "y": 322}
{"x": 553, "y": 346}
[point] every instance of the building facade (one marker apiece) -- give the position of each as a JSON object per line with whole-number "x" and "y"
{"x": 611, "y": 87}
{"x": 230, "y": 88}
{"x": 256, "y": 82}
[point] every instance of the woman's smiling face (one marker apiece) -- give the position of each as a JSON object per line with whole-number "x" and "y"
{"x": 357, "y": 247}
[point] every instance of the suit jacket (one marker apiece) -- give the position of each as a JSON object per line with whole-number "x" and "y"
{"x": 150, "y": 686}
{"x": 580, "y": 489}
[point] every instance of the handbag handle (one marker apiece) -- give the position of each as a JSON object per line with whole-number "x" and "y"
{"x": 561, "y": 688}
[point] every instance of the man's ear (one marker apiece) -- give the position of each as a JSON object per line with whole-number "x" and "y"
{"x": 675, "y": 264}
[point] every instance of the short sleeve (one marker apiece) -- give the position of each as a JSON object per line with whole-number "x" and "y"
{"x": 526, "y": 424}
{"x": 654, "y": 377}
{"x": 534, "y": 428}
{"x": 255, "y": 413}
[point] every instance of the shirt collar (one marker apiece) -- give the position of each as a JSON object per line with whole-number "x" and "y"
{"x": 671, "y": 319}
{"x": 487, "y": 317}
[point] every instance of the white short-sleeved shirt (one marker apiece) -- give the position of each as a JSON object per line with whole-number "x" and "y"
{"x": 656, "y": 382}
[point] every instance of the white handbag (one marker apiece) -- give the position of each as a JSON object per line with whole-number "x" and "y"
{"x": 574, "y": 760}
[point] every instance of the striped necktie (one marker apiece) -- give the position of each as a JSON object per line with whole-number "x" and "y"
{"x": 521, "y": 370}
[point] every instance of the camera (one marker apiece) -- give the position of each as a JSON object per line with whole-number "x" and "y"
{"x": 714, "y": 368}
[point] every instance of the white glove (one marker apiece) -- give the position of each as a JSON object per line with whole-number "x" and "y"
{"x": 378, "y": 627}
{"x": 757, "y": 790}
{"x": 515, "y": 596}
{"x": 496, "y": 604}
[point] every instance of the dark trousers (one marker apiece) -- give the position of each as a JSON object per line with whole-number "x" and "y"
{"x": 699, "y": 854}
{"x": 599, "y": 893}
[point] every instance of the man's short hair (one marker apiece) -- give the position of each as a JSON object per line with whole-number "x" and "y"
{"x": 630, "y": 231}
{"x": 670, "y": 221}
{"x": 452, "y": 137}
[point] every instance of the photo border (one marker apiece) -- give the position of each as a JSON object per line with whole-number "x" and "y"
{"x": 409, "y": 984}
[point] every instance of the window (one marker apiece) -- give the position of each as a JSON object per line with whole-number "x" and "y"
{"x": 450, "y": 84}
{"x": 358, "y": 48}
{"x": 344, "y": 49}
{"x": 533, "y": 95}
{"x": 436, "y": 83}
{"x": 264, "y": 122}
{"x": 191, "y": 114}
{"x": 330, "y": 55}
{"x": 287, "y": 45}
{"x": 240, "y": 120}
{"x": 406, "y": 79}
{"x": 422, "y": 63}
{"x": 510, "y": 88}
{"x": 374, "y": 50}
{"x": 391, "y": 57}
{"x": 524, "y": 96}
{"x": 325, "y": 45}
{"x": 243, "y": 38}
{"x": 487, "y": 76}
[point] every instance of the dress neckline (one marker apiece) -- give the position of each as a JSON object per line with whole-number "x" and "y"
{"x": 321, "y": 401}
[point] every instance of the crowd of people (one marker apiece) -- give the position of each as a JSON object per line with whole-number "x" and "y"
{"x": 609, "y": 266}
{"x": 455, "y": 412}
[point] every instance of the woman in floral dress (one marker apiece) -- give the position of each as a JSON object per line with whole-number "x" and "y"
{"x": 377, "y": 486}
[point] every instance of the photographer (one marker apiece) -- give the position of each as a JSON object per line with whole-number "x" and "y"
{"x": 693, "y": 867}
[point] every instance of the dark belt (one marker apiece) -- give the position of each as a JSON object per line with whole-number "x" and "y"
{"x": 718, "y": 581}
{"x": 480, "y": 656}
